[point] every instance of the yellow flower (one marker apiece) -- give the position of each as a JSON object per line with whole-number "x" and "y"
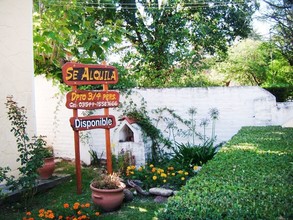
{"x": 170, "y": 168}
{"x": 154, "y": 170}
{"x": 140, "y": 169}
{"x": 180, "y": 171}
{"x": 182, "y": 178}
{"x": 163, "y": 175}
{"x": 151, "y": 165}
{"x": 186, "y": 173}
{"x": 155, "y": 177}
{"x": 164, "y": 180}
{"x": 195, "y": 167}
{"x": 173, "y": 174}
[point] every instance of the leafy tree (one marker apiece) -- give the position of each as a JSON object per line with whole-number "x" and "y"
{"x": 171, "y": 39}
{"x": 281, "y": 14}
{"x": 259, "y": 63}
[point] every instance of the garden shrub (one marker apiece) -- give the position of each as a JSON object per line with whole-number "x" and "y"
{"x": 188, "y": 155}
{"x": 250, "y": 178}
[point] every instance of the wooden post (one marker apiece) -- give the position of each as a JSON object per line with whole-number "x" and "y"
{"x": 77, "y": 152}
{"x": 107, "y": 136}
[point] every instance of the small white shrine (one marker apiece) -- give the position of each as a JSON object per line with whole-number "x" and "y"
{"x": 129, "y": 137}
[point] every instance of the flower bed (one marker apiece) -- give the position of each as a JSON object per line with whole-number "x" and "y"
{"x": 76, "y": 211}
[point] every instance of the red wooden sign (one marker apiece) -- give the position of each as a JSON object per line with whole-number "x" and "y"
{"x": 88, "y": 74}
{"x": 92, "y": 122}
{"x": 83, "y": 99}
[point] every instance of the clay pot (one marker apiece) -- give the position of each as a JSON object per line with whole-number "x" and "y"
{"x": 108, "y": 199}
{"x": 46, "y": 171}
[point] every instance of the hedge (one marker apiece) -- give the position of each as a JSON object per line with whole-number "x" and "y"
{"x": 250, "y": 178}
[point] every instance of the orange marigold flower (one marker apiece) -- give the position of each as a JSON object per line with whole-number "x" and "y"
{"x": 41, "y": 210}
{"x": 97, "y": 213}
{"x": 66, "y": 205}
{"x": 87, "y": 205}
{"x": 31, "y": 218}
{"x": 41, "y": 215}
{"x": 79, "y": 212}
{"x": 60, "y": 217}
{"x": 28, "y": 213}
{"x": 51, "y": 216}
{"x": 76, "y": 205}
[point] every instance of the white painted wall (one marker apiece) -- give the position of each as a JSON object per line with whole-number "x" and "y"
{"x": 16, "y": 71}
{"x": 238, "y": 106}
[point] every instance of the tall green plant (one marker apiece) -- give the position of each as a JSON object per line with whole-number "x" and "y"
{"x": 30, "y": 151}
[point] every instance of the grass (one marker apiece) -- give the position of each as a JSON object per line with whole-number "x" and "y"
{"x": 139, "y": 208}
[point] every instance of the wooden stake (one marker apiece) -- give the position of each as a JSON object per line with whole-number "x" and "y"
{"x": 107, "y": 136}
{"x": 77, "y": 153}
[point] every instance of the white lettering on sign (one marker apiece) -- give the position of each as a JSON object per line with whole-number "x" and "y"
{"x": 92, "y": 122}
{"x": 79, "y": 123}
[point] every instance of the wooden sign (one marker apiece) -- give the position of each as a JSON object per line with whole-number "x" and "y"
{"x": 83, "y": 99}
{"x": 88, "y": 74}
{"x": 92, "y": 122}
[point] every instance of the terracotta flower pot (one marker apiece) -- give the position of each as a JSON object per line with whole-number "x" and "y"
{"x": 46, "y": 171}
{"x": 108, "y": 199}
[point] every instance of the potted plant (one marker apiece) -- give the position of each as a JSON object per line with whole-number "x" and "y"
{"x": 48, "y": 167}
{"x": 107, "y": 191}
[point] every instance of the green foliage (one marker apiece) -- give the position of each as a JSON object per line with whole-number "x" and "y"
{"x": 31, "y": 153}
{"x": 250, "y": 178}
{"x": 71, "y": 33}
{"x": 188, "y": 156}
{"x": 282, "y": 94}
{"x": 171, "y": 38}
{"x": 280, "y": 13}
{"x": 252, "y": 62}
